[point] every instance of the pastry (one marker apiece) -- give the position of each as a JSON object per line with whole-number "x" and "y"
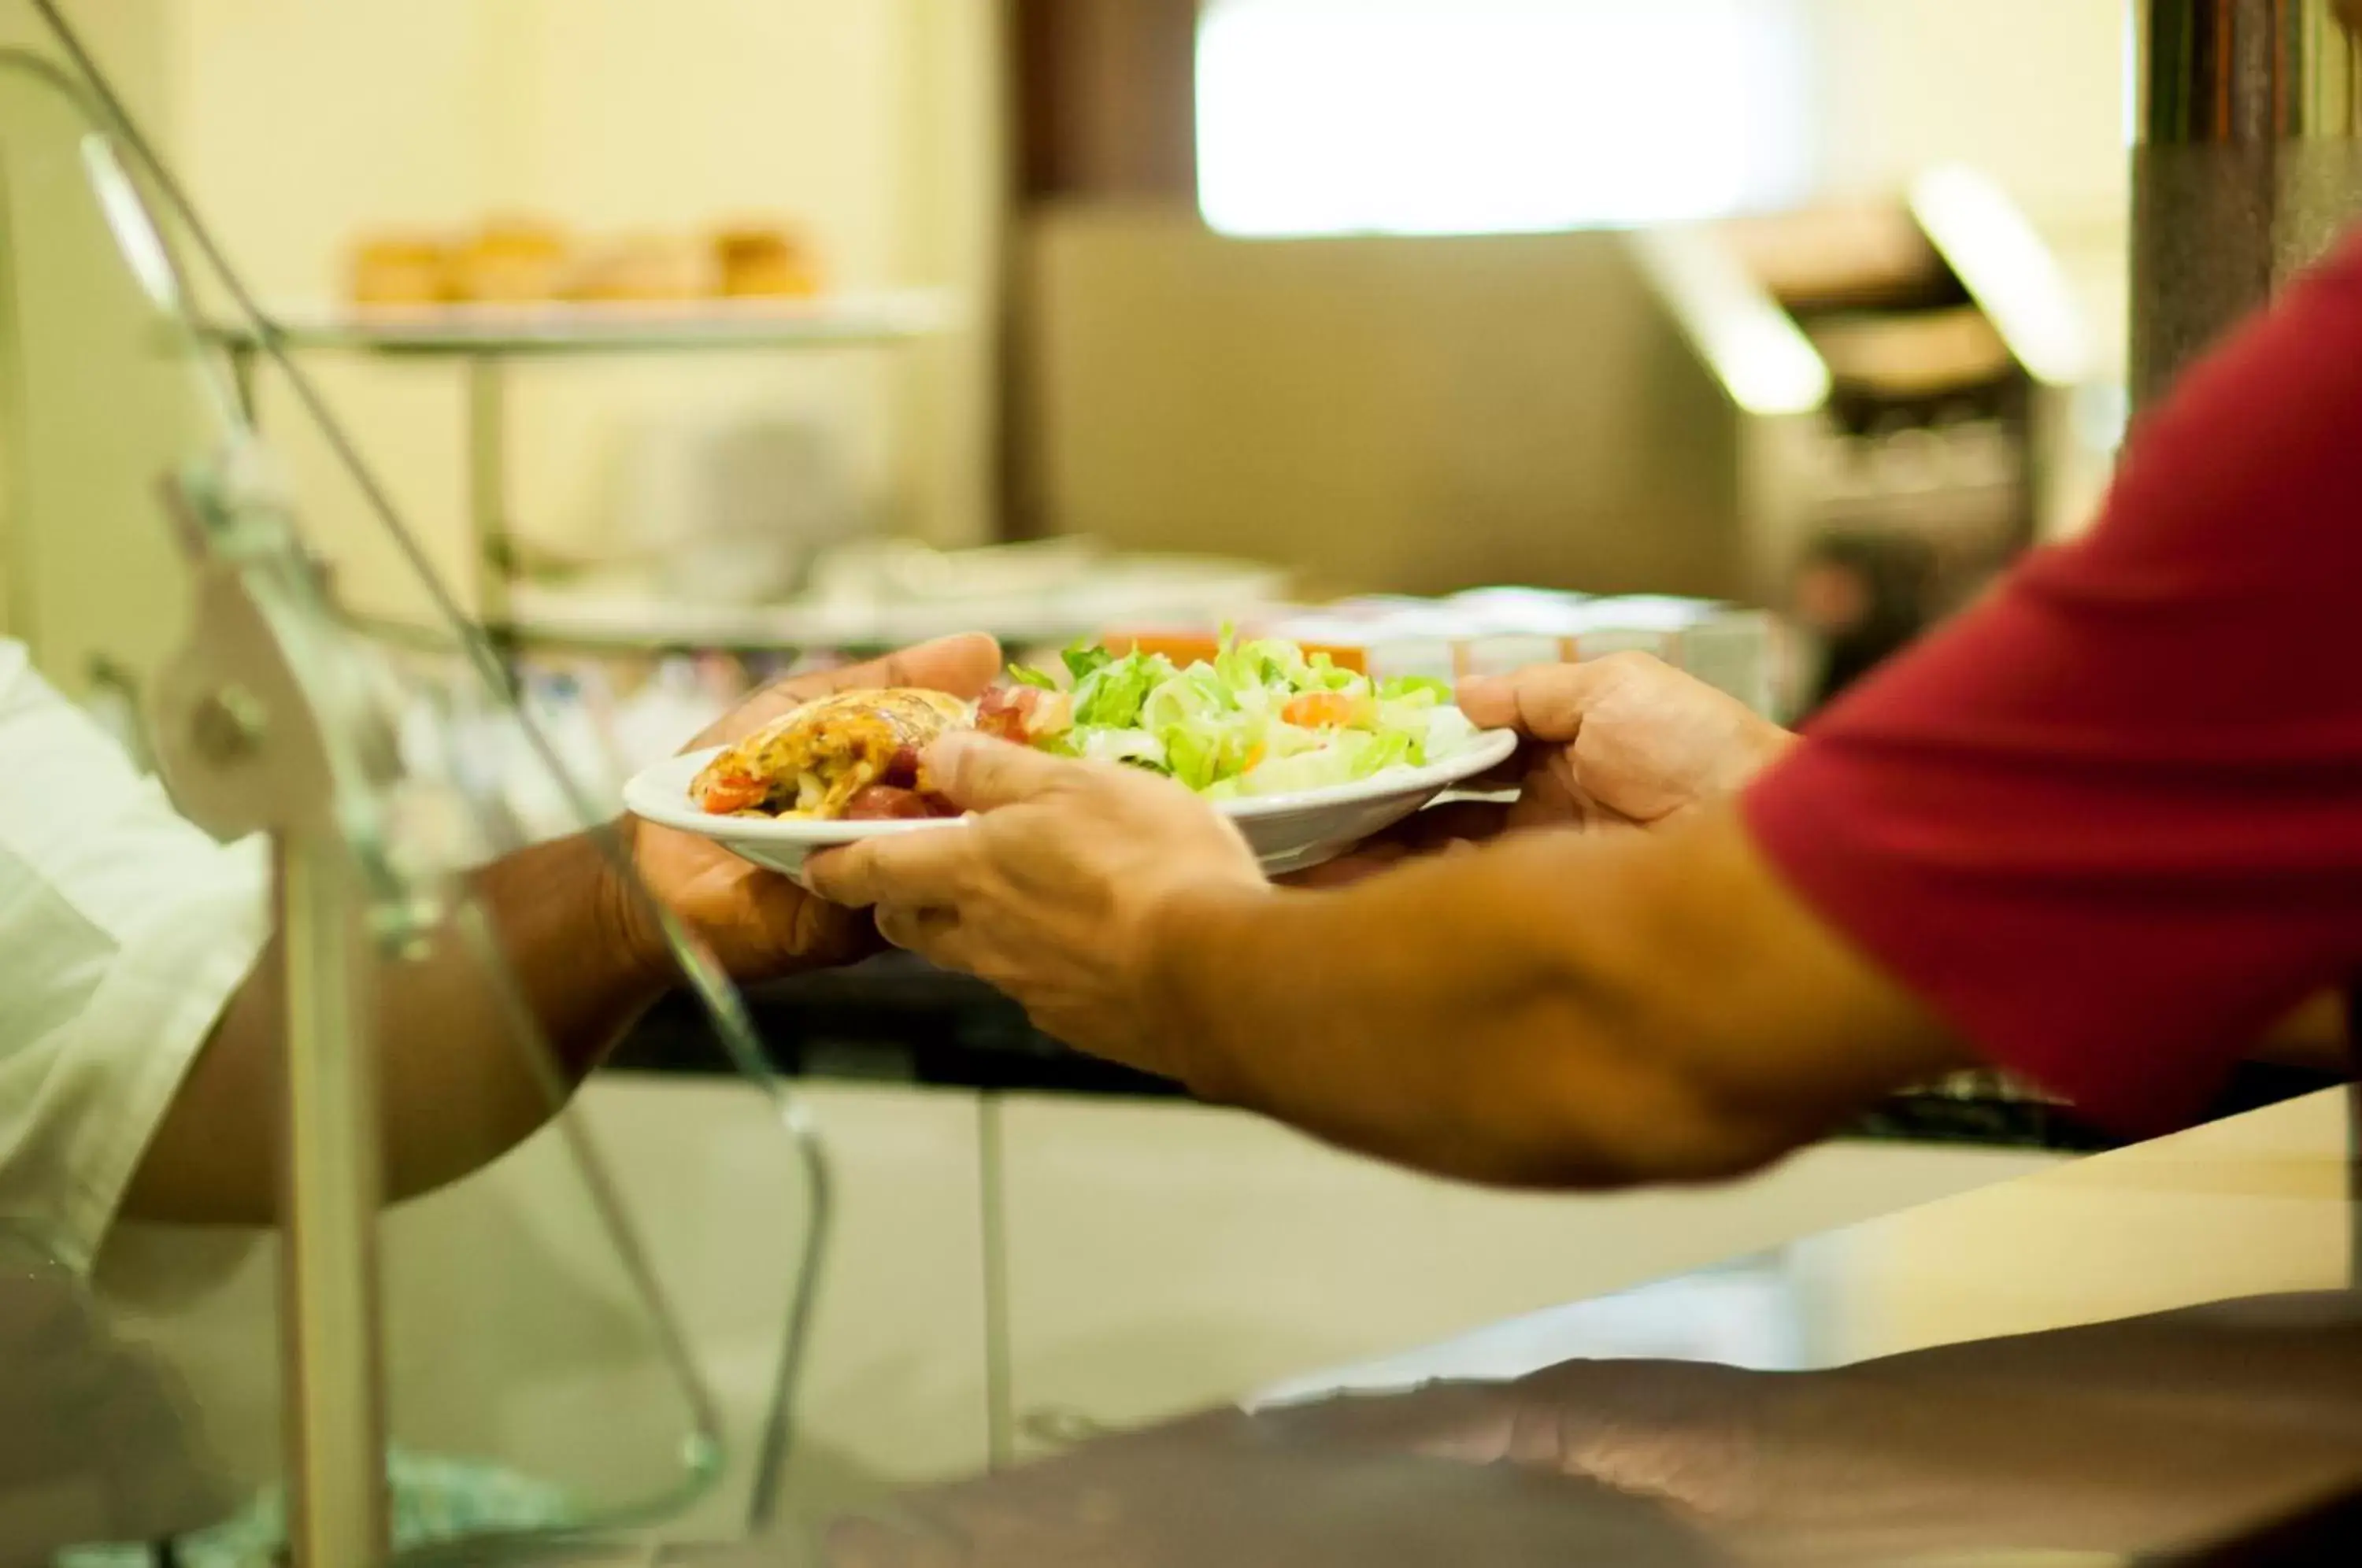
{"x": 400, "y": 270}
{"x": 512, "y": 261}
{"x": 763, "y": 264}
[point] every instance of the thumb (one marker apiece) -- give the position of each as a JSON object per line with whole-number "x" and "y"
{"x": 1544, "y": 702}
{"x": 979, "y": 773}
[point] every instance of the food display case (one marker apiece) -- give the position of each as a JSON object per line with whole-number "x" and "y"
{"x": 602, "y": 1350}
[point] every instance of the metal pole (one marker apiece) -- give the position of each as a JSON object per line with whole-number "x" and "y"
{"x": 2245, "y": 168}
{"x": 241, "y": 369}
{"x": 492, "y": 541}
{"x": 332, "y": 1175}
{"x": 2248, "y": 164}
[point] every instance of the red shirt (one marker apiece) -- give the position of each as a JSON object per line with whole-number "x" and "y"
{"x": 2109, "y": 822}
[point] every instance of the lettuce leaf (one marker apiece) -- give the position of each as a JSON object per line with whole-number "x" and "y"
{"x": 1422, "y": 690}
{"x": 1194, "y": 755}
{"x": 1111, "y": 696}
{"x": 1321, "y": 674}
{"x": 1084, "y": 658}
{"x": 1218, "y": 727}
{"x": 1396, "y": 749}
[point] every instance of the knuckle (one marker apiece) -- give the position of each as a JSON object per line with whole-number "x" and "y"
{"x": 1630, "y": 661}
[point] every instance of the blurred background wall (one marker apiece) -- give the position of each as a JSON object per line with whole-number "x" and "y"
{"x": 878, "y": 125}
{"x": 1421, "y": 413}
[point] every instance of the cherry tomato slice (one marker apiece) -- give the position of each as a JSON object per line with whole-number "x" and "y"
{"x": 1320, "y": 711}
{"x": 731, "y": 792}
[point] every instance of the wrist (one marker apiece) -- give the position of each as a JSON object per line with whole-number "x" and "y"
{"x": 1188, "y": 942}
{"x": 627, "y": 933}
{"x": 1764, "y": 743}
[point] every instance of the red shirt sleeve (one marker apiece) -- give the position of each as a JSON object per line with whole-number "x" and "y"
{"x": 2109, "y": 822}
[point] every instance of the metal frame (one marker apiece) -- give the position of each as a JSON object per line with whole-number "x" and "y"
{"x": 265, "y": 724}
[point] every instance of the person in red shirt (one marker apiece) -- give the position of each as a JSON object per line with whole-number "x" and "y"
{"x": 2103, "y": 829}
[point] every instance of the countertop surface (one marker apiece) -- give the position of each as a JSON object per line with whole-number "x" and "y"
{"x": 2153, "y": 1354}
{"x": 2136, "y": 1356}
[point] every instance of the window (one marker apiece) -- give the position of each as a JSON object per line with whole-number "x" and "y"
{"x": 1487, "y": 117}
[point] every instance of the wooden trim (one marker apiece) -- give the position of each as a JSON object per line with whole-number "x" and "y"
{"x": 1106, "y": 95}
{"x": 1103, "y": 106}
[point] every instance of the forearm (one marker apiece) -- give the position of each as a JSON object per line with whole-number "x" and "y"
{"x": 1329, "y": 1012}
{"x": 1924, "y": 1453}
{"x": 458, "y": 1086}
{"x": 2208, "y": 1420}
{"x": 1536, "y": 1014}
{"x": 2317, "y": 1035}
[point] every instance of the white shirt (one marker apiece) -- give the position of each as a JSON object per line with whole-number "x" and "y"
{"x": 123, "y": 930}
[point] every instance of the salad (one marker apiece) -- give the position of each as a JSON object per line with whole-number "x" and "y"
{"x": 1261, "y": 718}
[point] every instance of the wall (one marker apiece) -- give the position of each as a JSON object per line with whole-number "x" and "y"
{"x": 82, "y": 457}
{"x": 1410, "y": 414}
{"x": 300, "y": 126}
{"x": 2033, "y": 91}
{"x": 1424, "y": 415}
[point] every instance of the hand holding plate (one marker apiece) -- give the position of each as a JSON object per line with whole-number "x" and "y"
{"x": 1055, "y": 892}
{"x": 760, "y": 924}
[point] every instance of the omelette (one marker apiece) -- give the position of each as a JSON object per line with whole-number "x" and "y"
{"x": 855, "y": 755}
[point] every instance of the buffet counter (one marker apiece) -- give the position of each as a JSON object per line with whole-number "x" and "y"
{"x": 2150, "y": 1356}
{"x": 2098, "y": 1360}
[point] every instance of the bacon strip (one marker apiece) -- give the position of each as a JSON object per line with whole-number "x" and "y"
{"x": 1002, "y": 713}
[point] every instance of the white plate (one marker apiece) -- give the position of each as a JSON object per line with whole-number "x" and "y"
{"x": 1290, "y": 832}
